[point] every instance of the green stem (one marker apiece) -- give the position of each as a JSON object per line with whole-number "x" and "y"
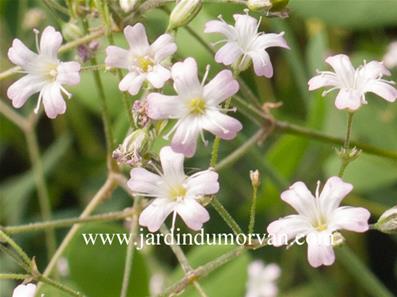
{"x": 112, "y": 216}
{"x": 345, "y": 154}
{"x": 252, "y": 212}
{"x": 59, "y": 286}
{"x": 15, "y": 257}
{"x": 361, "y": 273}
{"x": 21, "y": 253}
{"x": 14, "y": 276}
{"x": 226, "y": 216}
{"x": 348, "y": 131}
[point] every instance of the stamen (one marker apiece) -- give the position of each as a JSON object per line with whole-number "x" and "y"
{"x": 37, "y": 32}
{"x": 173, "y": 221}
{"x": 37, "y": 108}
{"x": 207, "y": 70}
{"x": 203, "y": 138}
{"x": 65, "y": 92}
{"x": 318, "y": 189}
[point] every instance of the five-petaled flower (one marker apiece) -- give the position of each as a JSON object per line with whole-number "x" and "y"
{"x": 143, "y": 61}
{"x": 352, "y": 83}
{"x": 173, "y": 192}
{"x": 244, "y": 42}
{"x": 196, "y": 107}
{"x": 28, "y": 290}
{"x": 45, "y": 73}
{"x": 262, "y": 279}
{"x": 318, "y": 218}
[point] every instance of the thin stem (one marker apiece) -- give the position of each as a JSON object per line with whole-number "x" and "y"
{"x": 21, "y": 253}
{"x": 15, "y": 257}
{"x": 130, "y": 249}
{"x": 42, "y": 190}
{"x": 345, "y": 153}
{"x": 252, "y": 212}
{"x": 348, "y": 131}
{"x": 12, "y": 116}
{"x": 14, "y": 276}
{"x": 226, "y": 216}
{"x": 34, "y": 227}
{"x": 361, "y": 273}
{"x": 59, "y": 286}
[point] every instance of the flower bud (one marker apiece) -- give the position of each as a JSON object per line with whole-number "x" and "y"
{"x": 255, "y": 178}
{"x": 387, "y": 222}
{"x": 33, "y": 18}
{"x": 71, "y": 31}
{"x": 128, "y": 5}
{"x": 132, "y": 149}
{"x": 183, "y": 12}
{"x": 337, "y": 239}
{"x": 255, "y": 5}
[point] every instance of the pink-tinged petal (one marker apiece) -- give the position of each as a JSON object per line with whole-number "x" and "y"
{"x": 228, "y": 54}
{"x": 350, "y": 218}
{"x": 154, "y": 215}
{"x": 220, "y": 27}
{"x": 22, "y": 290}
{"x": 19, "y": 54}
{"x": 184, "y": 140}
{"x": 221, "y": 87}
{"x": 245, "y": 25}
{"x": 23, "y": 88}
{"x": 348, "y": 99}
{"x": 221, "y": 125}
{"x": 382, "y": 89}
{"x": 322, "y": 80}
{"x": 270, "y": 40}
{"x": 335, "y": 189}
{"x": 343, "y": 67}
{"x": 144, "y": 182}
{"x": 132, "y": 83}
{"x": 300, "y": 198}
{"x": 287, "y": 228}
{"x": 162, "y": 107}
{"x": 172, "y": 164}
{"x": 50, "y": 42}
{"x": 163, "y": 47}
{"x": 158, "y": 76}
{"x": 262, "y": 64}
{"x": 137, "y": 39}
{"x": 318, "y": 252}
{"x": 271, "y": 272}
{"x": 116, "y": 57}
{"x": 374, "y": 69}
{"x": 68, "y": 73}
{"x": 203, "y": 183}
{"x": 192, "y": 213}
{"x": 185, "y": 78}
{"x": 390, "y": 59}
{"x": 53, "y": 101}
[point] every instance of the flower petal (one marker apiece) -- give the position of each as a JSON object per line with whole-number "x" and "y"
{"x": 164, "y": 107}
{"x": 23, "y": 290}
{"x": 228, "y": 54}
{"x": 221, "y": 125}
{"x": 262, "y": 64}
{"x": 350, "y": 218}
{"x": 132, "y": 83}
{"x": 348, "y": 99}
{"x": 221, "y": 27}
{"x": 203, "y": 183}
{"x": 319, "y": 253}
{"x": 154, "y": 215}
{"x": 19, "y": 54}
{"x": 245, "y": 25}
{"x": 382, "y": 89}
{"x": 158, "y": 76}
{"x": 137, "y": 39}
{"x": 374, "y": 69}
{"x": 335, "y": 189}
{"x": 343, "y": 67}
{"x": 163, "y": 47}
{"x": 192, "y": 213}
{"x": 184, "y": 140}
{"x": 53, "y": 101}
{"x": 144, "y": 181}
{"x": 23, "y": 88}
{"x": 172, "y": 164}
{"x": 50, "y": 42}
{"x": 68, "y": 73}
{"x": 117, "y": 57}
{"x": 185, "y": 78}
{"x": 221, "y": 87}
{"x": 300, "y": 198}
{"x": 322, "y": 80}
{"x": 267, "y": 40}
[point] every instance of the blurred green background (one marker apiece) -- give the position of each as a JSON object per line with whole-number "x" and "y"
{"x": 73, "y": 153}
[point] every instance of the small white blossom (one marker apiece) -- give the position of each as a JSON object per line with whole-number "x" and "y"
{"x": 318, "y": 218}
{"x": 244, "y": 43}
{"x": 390, "y": 59}
{"x": 353, "y": 83}
{"x": 262, "y": 279}
{"x": 143, "y": 61}
{"x": 173, "y": 192}
{"x": 45, "y": 73}
{"x": 28, "y": 290}
{"x": 196, "y": 106}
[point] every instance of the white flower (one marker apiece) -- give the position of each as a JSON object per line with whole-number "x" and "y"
{"x": 244, "y": 42}
{"x": 174, "y": 192}
{"x": 196, "y": 107}
{"x": 143, "y": 61}
{"x": 352, "y": 83}
{"x": 262, "y": 279}
{"x": 390, "y": 59}
{"x": 127, "y": 5}
{"x": 22, "y": 290}
{"x": 45, "y": 73}
{"x": 318, "y": 217}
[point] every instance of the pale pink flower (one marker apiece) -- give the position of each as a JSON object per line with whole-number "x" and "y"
{"x": 390, "y": 59}
{"x": 262, "y": 279}
{"x": 45, "y": 73}
{"x": 173, "y": 192}
{"x": 196, "y": 107}
{"x": 353, "y": 83}
{"x": 22, "y": 290}
{"x": 318, "y": 218}
{"x": 244, "y": 43}
{"x": 143, "y": 61}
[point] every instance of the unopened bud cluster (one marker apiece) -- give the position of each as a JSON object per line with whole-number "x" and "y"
{"x": 183, "y": 12}
{"x": 387, "y": 222}
{"x": 131, "y": 151}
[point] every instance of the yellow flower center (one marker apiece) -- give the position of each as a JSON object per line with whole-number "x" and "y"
{"x": 144, "y": 63}
{"x": 197, "y": 106}
{"x": 177, "y": 193}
